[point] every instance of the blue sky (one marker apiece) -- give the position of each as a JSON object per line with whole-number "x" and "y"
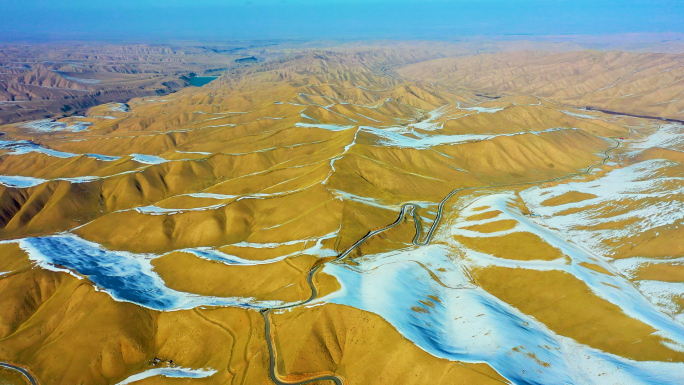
{"x": 334, "y": 19}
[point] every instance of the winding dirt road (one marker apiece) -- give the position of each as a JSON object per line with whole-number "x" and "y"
{"x": 406, "y": 209}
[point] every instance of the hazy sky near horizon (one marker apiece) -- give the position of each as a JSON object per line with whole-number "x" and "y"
{"x": 331, "y": 19}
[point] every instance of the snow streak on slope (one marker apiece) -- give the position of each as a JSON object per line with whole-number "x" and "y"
{"x": 20, "y": 181}
{"x": 27, "y": 181}
{"x": 345, "y": 196}
{"x": 485, "y": 110}
{"x": 212, "y": 254}
{"x": 148, "y": 159}
{"x": 629, "y": 266}
{"x": 212, "y": 196}
{"x": 394, "y": 137}
{"x": 172, "y": 372}
{"x": 21, "y": 147}
{"x": 429, "y": 124}
{"x": 329, "y": 127}
{"x": 107, "y": 158}
{"x": 155, "y": 210}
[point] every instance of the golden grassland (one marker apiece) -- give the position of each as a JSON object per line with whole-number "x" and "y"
{"x": 297, "y": 154}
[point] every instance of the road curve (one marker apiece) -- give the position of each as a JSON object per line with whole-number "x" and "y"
{"x": 20, "y": 370}
{"x": 272, "y": 365}
{"x": 406, "y": 209}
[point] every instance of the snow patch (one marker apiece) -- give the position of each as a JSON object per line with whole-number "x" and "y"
{"x": 50, "y": 125}
{"x": 148, "y": 159}
{"x": 20, "y": 181}
{"x": 670, "y": 136}
{"x": 394, "y": 137}
{"x": 329, "y": 127}
{"x": 450, "y": 318}
{"x": 125, "y": 276}
{"x": 123, "y": 107}
{"x": 212, "y": 196}
{"x": 21, "y": 147}
{"x": 640, "y": 194}
{"x": 343, "y": 195}
{"x": 172, "y": 372}
{"x": 155, "y": 210}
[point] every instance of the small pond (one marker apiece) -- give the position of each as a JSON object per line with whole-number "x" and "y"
{"x": 199, "y": 81}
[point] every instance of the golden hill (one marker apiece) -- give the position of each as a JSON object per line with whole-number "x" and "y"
{"x": 637, "y": 83}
